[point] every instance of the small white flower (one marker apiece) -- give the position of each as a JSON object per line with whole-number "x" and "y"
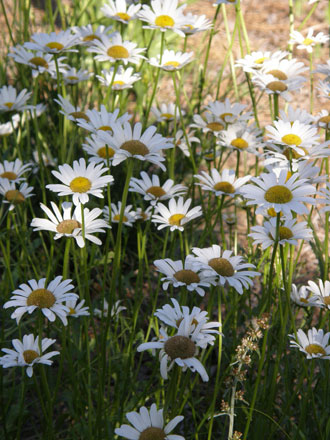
{"x": 195, "y": 23}
{"x": 324, "y": 88}
{"x": 224, "y": 184}
{"x": 12, "y": 195}
{"x": 177, "y": 215}
{"x": 115, "y": 309}
{"x": 321, "y": 292}
{"x": 314, "y": 344}
{"x": 13, "y": 171}
{"x": 303, "y": 297}
{"x": 309, "y": 41}
{"x": 255, "y": 60}
{"x": 272, "y": 85}
{"x": 98, "y": 150}
{"x": 298, "y": 114}
{"x": 124, "y": 78}
{"x": 54, "y": 42}
{"x": 10, "y": 101}
{"x": 172, "y": 60}
{"x": 71, "y": 112}
{"x": 119, "y": 10}
{"x": 74, "y": 76}
{"x": 86, "y": 35}
{"x": 129, "y": 216}
{"x": 166, "y": 112}
{"x": 102, "y": 121}
{"x": 227, "y": 112}
{"x": 76, "y": 309}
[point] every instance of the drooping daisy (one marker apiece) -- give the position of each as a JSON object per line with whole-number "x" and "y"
{"x": 172, "y": 60}
{"x": 114, "y": 49}
{"x": 314, "y": 344}
{"x": 195, "y": 23}
{"x": 36, "y": 295}
{"x": 221, "y": 184}
{"x": 71, "y": 112}
{"x": 181, "y": 349}
{"x": 177, "y": 215}
{"x": 13, "y": 171}
{"x": 227, "y": 112}
{"x": 303, "y": 297}
{"x": 255, "y": 60}
{"x": 80, "y": 181}
{"x": 241, "y": 137}
{"x": 153, "y": 191}
{"x": 74, "y": 76}
{"x": 27, "y": 353}
{"x": 60, "y": 42}
{"x": 129, "y": 216}
{"x": 86, "y": 35}
{"x": 124, "y": 78}
{"x": 185, "y": 274}
{"x": 98, "y": 150}
{"x": 12, "y": 195}
{"x": 119, "y": 10}
{"x": 102, "y": 120}
{"x": 70, "y": 224}
{"x": 166, "y": 112}
{"x": 309, "y": 41}
{"x": 115, "y": 309}
{"x": 321, "y": 292}
{"x": 298, "y": 114}
{"x": 77, "y": 309}
{"x": 224, "y": 267}
{"x": 149, "y": 425}
{"x": 163, "y": 15}
{"x": 10, "y": 101}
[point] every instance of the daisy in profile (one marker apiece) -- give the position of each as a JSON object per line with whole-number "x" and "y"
{"x": 309, "y": 41}
{"x": 303, "y": 297}
{"x": 163, "y": 15}
{"x": 76, "y": 308}
{"x": 184, "y": 274}
{"x": 129, "y": 216}
{"x": 180, "y": 349}
{"x": 272, "y": 85}
{"x": 86, "y": 35}
{"x": 10, "y": 101}
{"x": 27, "y": 353}
{"x": 321, "y": 292}
{"x": 115, "y": 309}
{"x": 254, "y": 61}
{"x": 322, "y": 119}
{"x": 177, "y": 215}
{"x": 55, "y": 43}
{"x": 71, "y": 112}
{"x": 298, "y": 114}
{"x": 68, "y": 224}
{"x": 149, "y": 424}
{"x": 102, "y": 120}
{"x": 114, "y": 49}
{"x": 224, "y": 184}
{"x": 48, "y": 298}
{"x": 224, "y": 267}
{"x": 166, "y": 112}
{"x": 314, "y": 344}
{"x": 13, "y": 171}
{"x": 124, "y": 78}
{"x": 227, "y": 112}
{"x": 81, "y": 181}
{"x": 208, "y": 124}
{"x": 12, "y": 195}
{"x": 172, "y": 60}
{"x": 153, "y": 191}
{"x": 181, "y": 141}
{"x": 144, "y": 215}
{"x": 289, "y": 232}
{"x": 119, "y": 10}
{"x": 241, "y": 137}
{"x": 129, "y": 142}
{"x": 74, "y": 76}
{"x": 192, "y": 24}
{"x": 98, "y": 151}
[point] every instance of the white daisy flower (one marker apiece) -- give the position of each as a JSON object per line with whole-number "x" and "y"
{"x": 129, "y": 141}
{"x": 163, "y": 15}
{"x": 71, "y": 112}
{"x": 177, "y": 215}
{"x": 86, "y": 35}
{"x": 172, "y": 60}
{"x": 115, "y": 49}
{"x": 102, "y": 120}
{"x": 221, "y": 184}
{"x": 272, "y": 85}
{"x": 303, "y": 297}
{"x": 74, "y": 76}
{"x": 77, "y": 309}
{"x": 129, "y": 216}
{"x": 12, "y": 195}
{"x": 180, "y": 141}
{"x": 211, "y": 123}
{"x": 151, "y": 189}
{"x": 47, "y": 161}
{"x": 181, "y": 349}
{"x": 80, "y": 181}
{"x": 60, "y": 42}
{"x": 144, "y": 214}
{"x": 314, "y": 344}
{"x": 124, "y": 78}
{"x": 115, "y": 309}
{"x": 185, "y": 274}
{"x": 255, "y": 60}
{"x": 119, "y": 10}
{"x": 166, "y": 112}
{"x": 283, "y": 156}
{"x": 309, "y": 41}
{"x": 36, "y": 295}
{"x": 27, "y": 353}
{"x": 225, "y": 2}
{"x": 195, "y": 23}
{"x": 70, "y": 224}
{"x": 149, "y": 425}
{"x": 10, "y": 101}
{"x": 98, "y": 150}
{"x": 272, "y": 191}
{"x": 8, "y": 127}
{"x": 284, "y": 69}
{"x": 227, "y": 112}
{"x": 324, "y": 69}
{"x": 298, "y": 114}
{"x": 321, "y": 292}
{"x": 322, "y": 119}
{"x": 324, "y": 88}
{"x": 242, "y": 138}
{"x": 305, "y": 169}
{"x": 225, "y": 267}
{"x": 13, "y": 171}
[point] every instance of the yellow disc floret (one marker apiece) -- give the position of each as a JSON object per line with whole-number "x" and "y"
{"x": 118, "y": 52}
{"x": 222, "y": 266}
{"x": 278, "y": 194}
{"x": 41, "y": 298}
{"x": 80, "y": 184}
{"x": 164, "y": 21}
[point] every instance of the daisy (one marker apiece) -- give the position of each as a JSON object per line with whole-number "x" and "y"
{"x": 129, "y": 142}
{"x": 314, "y": 152}
{"x": 102, "y": 120}
{"x": 36, "y": 295}
{"x": 129, "y": 216}
{"x": 166, "y": 112}
{"x": 177, "y": 215}
{"x": 71, "y": 112}
{"x": 12, "y": 195}
{"x": 298, "y": 114}
{"x": 86, "y": 35}
{"x": 192, "y": 24}
{"x": 13, "y": 171}
{"x": 181, "y": 142}
{"x": 255, "y": 60}
{"x": 240, "y": 137}
{"x": 77, "y": 309}
{"x": 272, "y": 85}
{"x": 322, "y": 119}
{"x": 211, "y": 123}
{"x": 324, "y": 88}
{"x": 151, "y": 189}
{"x": 60, "y": 42}
{"x": 115, "y": 309}
{"x": 149, "y": 425}
{"x": 289, "y": 232}
{"x": 314, "y": 344}
{"x": 323, "y": 68}
{"x": 144, "y": 214}
{"x": 70, "y": 224}
{"x": 221, "y": 184}
{"x": 27, "y": 353}
{"x": 272, "y": 191}
{"x": 124, "y": 78}
{"x": 225, "y": 2}
{"x": 80, "y": 181}
{"x": 309, "y": 41}
{"x": 10, "y": 101}
{"x": 114, "y": 49}
{"x": 180, "y": 349}
{"x": 8, "y": 127}
{"x": 98, "y": 150}
{"x": 305, "y": 169}
{"x": 172, "y": 60}
{"x": 225, "y": 267}
{"x": 163, "y": 15}
{"x": 321, "y": 292}
{"x": 303, "y": 297}
{"x": 284, "y": 69}
{"x": 72, "y": 76}
{"x": 227, "y": 112}
{"x": 185, "y": 274}
{"x": 119, "y": 10}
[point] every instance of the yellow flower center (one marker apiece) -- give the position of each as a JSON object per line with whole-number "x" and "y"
{"x": 152, "y": 433}
{"x": 291, "y": 139}
{"x": 215, "y": 126}
{"x": 260, "y": 60}
{"x": 14, "y": 196}
{"x": 41, "y": 298}
{"x": 285, "y": 233}
{"x": 72, "y": 78}
{"x": 225, "y": 187}
{"x": 180, "y": 347}
{"x": 9, "y": 104}
{"x": 8, "y": 175}
{"x": 325, "y": 119}
{"x": 55, "y": 45}
{"x": 167, "y": 115}
{"x": 105, "y": 128}
{"x": 123, "y": 16}
{"x": 222, "y": 266}
{"x": 315, "y": 349}
{"x": 102, "y": 152}
{"x": 272, "y": 213}
{"x": 308, "y": 41}
{"x": 278, "y": 194}
{"x": 278, "y": 74}
{"x": 135, "y": 147}
{"x": 172, "y": 63}
{"x": 164, "y": 21}
{"x": 118, "y": 83}
{"x": 304, "y": 300}
{"x": 225, "y": 115}
{"x": 277, "y": 86}
{"x": 289, "y": 153}
{"x": 80, "y": 115}
{"x": 116, "y": 218}
{"x": 118, "y": 52}
{"x": 67, "y": 226}
{"x": 80, "y": 184}
{"x": 39, "y": 62}
{"x": 72, "y": 311}
{"x": 326, "y": 300}
{"x": 187, "y": 276}
{"x": 188, "y": 27}
{"x": 156, "y": 191}
{"x": 175, "y": 219}
{"x": 91, "y": 37}
{"x": 239, "y": 143}
{"x": 30, "y": 355}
